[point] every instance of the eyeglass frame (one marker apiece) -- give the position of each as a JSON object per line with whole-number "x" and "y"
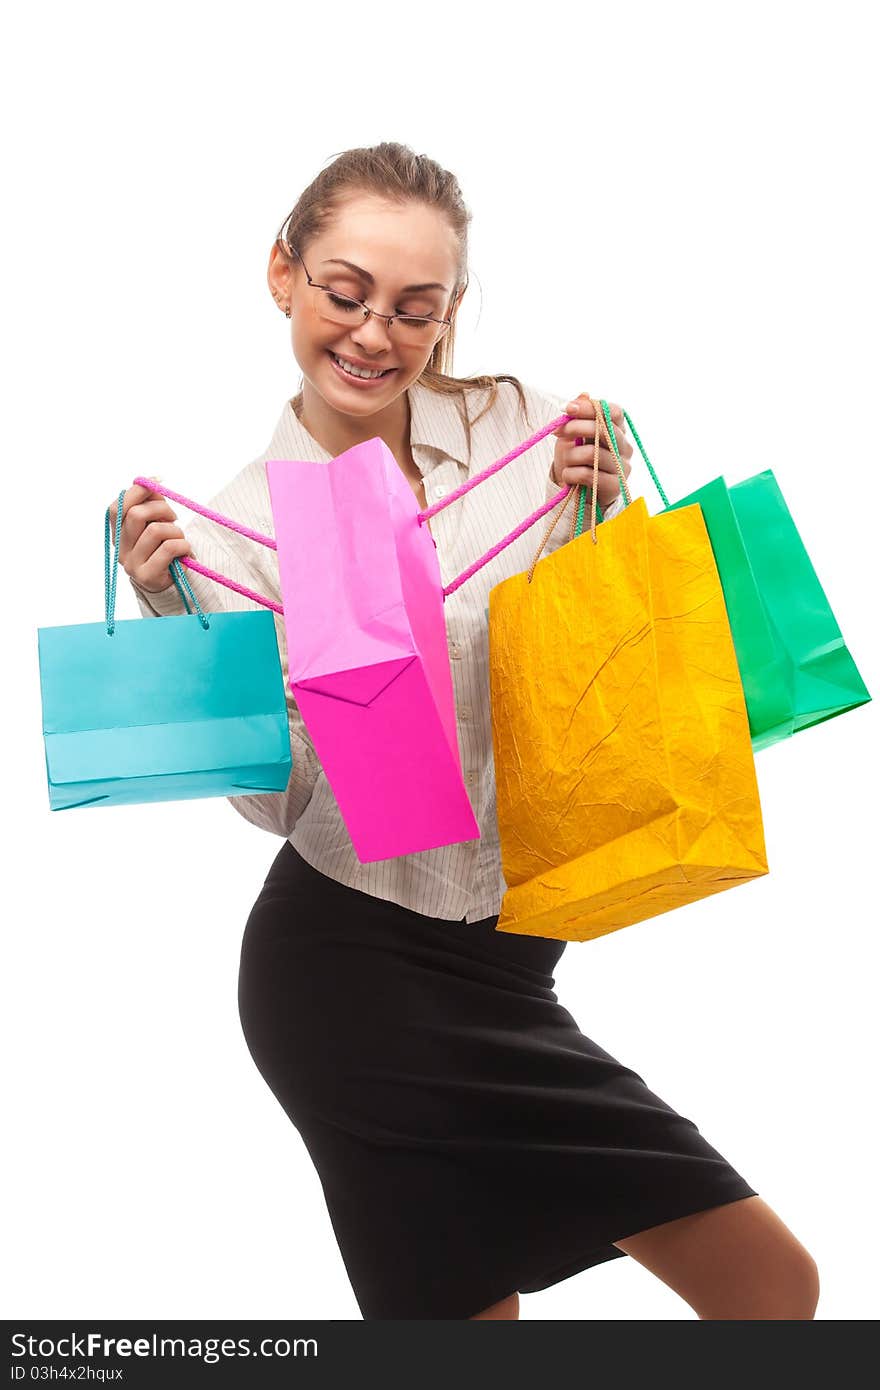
{"x": 368, "y": 312}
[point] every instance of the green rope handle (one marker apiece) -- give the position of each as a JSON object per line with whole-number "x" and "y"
{"x": 583, "y": 489}
{"x": 635, "y": 436}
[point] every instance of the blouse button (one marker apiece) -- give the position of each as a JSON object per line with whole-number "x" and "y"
{"x": 455, "y": 651}
{"x": 440, "y": 492}
{"x": 465, "y": 711}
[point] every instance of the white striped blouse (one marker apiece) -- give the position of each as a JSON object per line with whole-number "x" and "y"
{"x": 455, "y": 882}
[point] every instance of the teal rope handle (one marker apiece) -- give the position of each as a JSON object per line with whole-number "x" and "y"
{"x": 110, "y": 585}
{"x": 110, "y": 574}
{"x": 178, "y": 574}
{"x": 180, "y": 589}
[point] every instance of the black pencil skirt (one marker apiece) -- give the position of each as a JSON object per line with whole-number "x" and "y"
{"x": 470, "y": 1140}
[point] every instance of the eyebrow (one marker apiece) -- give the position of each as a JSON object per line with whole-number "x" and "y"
{"x": 365, "y": 275}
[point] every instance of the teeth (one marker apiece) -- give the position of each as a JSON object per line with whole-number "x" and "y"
{"x": 356, "y": 371}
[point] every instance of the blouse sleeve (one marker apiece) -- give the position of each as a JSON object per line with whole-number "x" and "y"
{"x": 276, "y": 812}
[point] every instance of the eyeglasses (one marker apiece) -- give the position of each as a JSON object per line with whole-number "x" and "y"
{"x": 346, "y": 309}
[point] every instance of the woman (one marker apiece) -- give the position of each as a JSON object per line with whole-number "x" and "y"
{"x": 471, "y": 1142}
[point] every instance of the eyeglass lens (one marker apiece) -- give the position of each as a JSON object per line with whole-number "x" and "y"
{"x": 340, "y": 308}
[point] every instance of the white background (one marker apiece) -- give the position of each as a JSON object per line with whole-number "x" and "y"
{"x": 673, "y": 207}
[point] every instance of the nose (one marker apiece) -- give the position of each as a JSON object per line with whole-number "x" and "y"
{"x": 372, "y": 335}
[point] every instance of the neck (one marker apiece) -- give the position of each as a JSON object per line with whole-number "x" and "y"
{"x": 336, "y": 432}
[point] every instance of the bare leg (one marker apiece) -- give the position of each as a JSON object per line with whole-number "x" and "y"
{"x": 508, "y": 1309}
{"x": 737, "y": 1261}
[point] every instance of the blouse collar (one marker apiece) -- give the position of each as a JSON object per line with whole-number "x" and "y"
{"x": 435, "y": 423}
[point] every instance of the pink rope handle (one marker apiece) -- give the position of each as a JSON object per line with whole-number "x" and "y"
{"x": 493, "y": 468}
{"x": 153, "y": 486}
{"x": 508, "y": 540}
{"x": 487, "y": 473}
{"x": 230, "y": 584}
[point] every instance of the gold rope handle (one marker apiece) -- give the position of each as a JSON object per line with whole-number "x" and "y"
{"x": 554, "y": 517}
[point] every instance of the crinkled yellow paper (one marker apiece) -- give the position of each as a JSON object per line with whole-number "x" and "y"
{"x": 623, "y": 759}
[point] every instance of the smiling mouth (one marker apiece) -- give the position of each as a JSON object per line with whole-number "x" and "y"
{"x": 360, "y": 372}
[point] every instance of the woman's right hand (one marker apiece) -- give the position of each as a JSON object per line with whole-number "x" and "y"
{"x": 149, "y": 540}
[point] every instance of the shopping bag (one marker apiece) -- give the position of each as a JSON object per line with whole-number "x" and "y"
{"x": 367, "y": 650}
{"x": 624, "y": 768}
{"x": 138, "y": 711}
{"x": 795, "y": 666}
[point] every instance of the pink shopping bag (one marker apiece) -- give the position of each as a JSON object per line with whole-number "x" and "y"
{"x": 368, "y": 660}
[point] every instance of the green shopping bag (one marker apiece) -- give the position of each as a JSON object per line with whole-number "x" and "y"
{"x": 795, "y": 667}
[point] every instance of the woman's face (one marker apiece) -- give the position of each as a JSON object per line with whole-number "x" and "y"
{"x": 401, "y": 258}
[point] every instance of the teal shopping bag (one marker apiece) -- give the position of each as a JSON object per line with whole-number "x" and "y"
{"x": 795, "y": 666}
{"x": 162, "y": 709}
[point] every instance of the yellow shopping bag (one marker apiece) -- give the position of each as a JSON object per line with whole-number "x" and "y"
{"x": 623, "y": 758}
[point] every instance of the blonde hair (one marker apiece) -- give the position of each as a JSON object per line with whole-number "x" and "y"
{"x": 394, "y": 172}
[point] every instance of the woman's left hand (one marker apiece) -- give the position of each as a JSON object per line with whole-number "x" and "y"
{"x": 573, "y": 463}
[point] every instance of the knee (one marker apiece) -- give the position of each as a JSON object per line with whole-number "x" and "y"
{"x": 506, "y": 1310}
{"x": 778, "y": 1280}
{"x": 802, "y": 1285}
{"x": 787, "y": 1285}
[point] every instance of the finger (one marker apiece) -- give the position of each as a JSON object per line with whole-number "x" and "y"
{"x": 607, "y": 488}
{"x": 584, "y": 470}
{"x": 138, "y": 493}
{"x": 608, "y": 467}
{"x": 582, "y": 456}
{"x": 152, "y": 536}
{"x": 581, "y": 407}
{"x": 133, "y": 495}
{"x": 582, "y": 425}
{"x": 580, "y": 461}
{"x": 140, "y": 515}
{"x": 154, "y": 574}
{"x": 584, "y": 407}
{"x": 136, "y": 519}
{"x": 587, "y": 430}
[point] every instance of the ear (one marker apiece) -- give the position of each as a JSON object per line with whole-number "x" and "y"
{"x": 280, "y": 273}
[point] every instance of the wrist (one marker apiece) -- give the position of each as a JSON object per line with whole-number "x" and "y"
{"x": 144, "y": 590}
